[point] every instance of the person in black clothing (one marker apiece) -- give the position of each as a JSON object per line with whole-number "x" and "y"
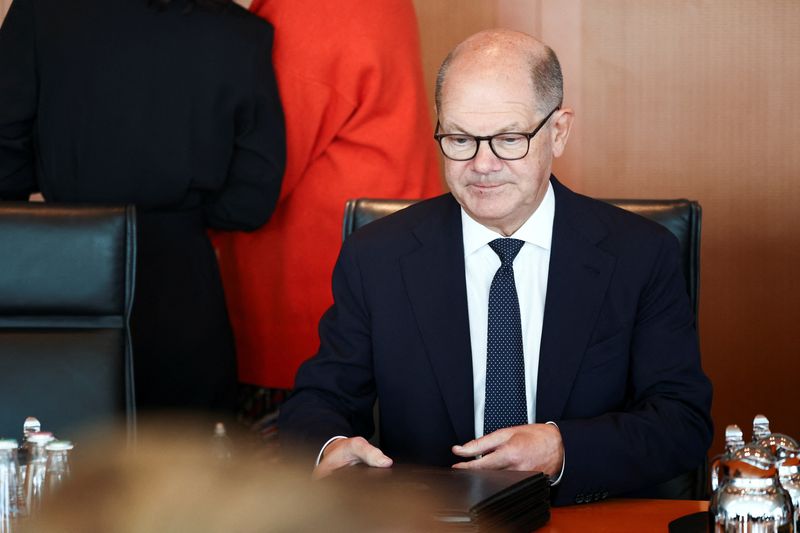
{"x": 168, "y": 105}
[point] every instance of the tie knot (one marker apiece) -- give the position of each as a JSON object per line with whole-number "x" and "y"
{"x": 506, "y": 249}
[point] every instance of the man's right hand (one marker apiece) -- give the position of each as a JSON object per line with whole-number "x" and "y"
{"x": 348, "y": 452}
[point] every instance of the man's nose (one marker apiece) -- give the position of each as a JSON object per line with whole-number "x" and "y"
{"x": 485, "y": 161}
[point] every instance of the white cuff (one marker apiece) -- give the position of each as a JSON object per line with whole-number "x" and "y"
{"x": 319, "y": 456}
{"x": 553, "y": 482}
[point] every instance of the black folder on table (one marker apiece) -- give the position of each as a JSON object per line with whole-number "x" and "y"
{"x": 472, "y": 500}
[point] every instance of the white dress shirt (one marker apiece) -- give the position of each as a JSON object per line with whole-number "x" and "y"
{"x": 531, "y": 267}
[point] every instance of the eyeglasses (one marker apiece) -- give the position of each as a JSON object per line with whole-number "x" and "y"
{"x": 509, "y": 145}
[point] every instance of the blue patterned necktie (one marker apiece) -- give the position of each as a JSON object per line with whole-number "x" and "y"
{"x": 506, "y": 404}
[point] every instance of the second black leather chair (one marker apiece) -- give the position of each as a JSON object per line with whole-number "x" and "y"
{"x": 66, "y": 290}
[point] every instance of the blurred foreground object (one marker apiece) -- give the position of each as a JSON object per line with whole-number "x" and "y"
{"x": 174, "y": 483}
{"x": 9, "y": 485}
{"x": 221, "y": 443}
{"x": 470, "y": 500}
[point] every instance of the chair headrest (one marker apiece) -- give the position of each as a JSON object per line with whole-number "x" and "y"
{"x": 63, "y": 260}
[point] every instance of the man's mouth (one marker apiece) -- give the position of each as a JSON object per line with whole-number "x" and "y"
{"x": 486, "y": 186}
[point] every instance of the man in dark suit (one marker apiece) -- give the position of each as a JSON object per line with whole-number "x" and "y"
{"x": 511, "y": 324}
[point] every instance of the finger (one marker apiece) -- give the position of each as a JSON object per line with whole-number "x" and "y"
{"x": 482, "y": 445}
{"x": 340, "y": 453}
{"x": 370, "y": 455}
{"x": 496, "y": 460}
{"x": 464, "y": 451}
{"x": 347, "y": 452}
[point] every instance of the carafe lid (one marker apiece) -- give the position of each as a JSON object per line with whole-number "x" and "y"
{"x": 751, "y": 462}
{"x": 734, "y": 437}
{"x": 40, "y": 438}
{"x": 781, "y": 446}
{"x": 760, "y": 427}
{"x": 8, "y": 444}
{"x": 31, "y": 425}
{"x": 59, "y": 446}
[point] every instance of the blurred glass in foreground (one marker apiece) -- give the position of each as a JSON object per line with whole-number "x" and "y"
{"x": 171, "y": 481}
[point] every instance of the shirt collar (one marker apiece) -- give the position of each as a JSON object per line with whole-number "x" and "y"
{"x": 537, "y": 230}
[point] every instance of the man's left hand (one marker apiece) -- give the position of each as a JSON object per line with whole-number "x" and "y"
{"x": 529, "y": 447}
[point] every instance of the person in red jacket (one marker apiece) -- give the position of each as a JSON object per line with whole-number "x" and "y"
{"x": 357, "y": 125}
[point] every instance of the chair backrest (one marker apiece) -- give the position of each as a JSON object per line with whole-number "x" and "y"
{"x": 66, "y": 290}
{"x": 681, "y": 217}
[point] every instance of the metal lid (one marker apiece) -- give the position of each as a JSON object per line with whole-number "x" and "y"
{"x": 760, "y": 427}
{"x": 782, "y": 446}
{"x": 41, "y": 437}
{"x": 754, "y": 455}
{"x": 734, "y": 437}
{"x": 59, "y": 446}
{"x": 8, "y": 444}
{"x": 31, "y": 425}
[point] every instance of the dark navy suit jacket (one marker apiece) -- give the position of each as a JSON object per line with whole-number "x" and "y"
{"x": 619, "y": 366}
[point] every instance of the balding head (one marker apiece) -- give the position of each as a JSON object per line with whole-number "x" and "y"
{"x": 499, "y": 51}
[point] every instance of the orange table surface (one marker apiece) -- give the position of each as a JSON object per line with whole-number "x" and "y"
{"x": 621, "y": 516}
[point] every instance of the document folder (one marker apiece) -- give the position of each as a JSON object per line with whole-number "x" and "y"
{"x": 471, "y": 500}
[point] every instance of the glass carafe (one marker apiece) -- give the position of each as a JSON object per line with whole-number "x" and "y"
{"x": 751, "y": 498}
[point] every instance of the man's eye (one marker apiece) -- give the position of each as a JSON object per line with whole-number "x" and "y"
{"x": 509, "y": 140}
{"x": 460, "y": 140}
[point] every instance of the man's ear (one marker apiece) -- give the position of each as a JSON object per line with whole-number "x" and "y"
{"x": 561, "y": 126}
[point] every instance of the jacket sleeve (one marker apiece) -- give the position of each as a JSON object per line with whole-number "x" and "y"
{"x": 253, "y": 184}
{"x": 664, "y": 429}
{"x": 18, "y": 97}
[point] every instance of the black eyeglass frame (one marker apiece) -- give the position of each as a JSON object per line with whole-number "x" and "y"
{"x": 489, "y": 138}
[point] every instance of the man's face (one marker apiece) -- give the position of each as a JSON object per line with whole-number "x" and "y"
{"x": 498, "y": 194}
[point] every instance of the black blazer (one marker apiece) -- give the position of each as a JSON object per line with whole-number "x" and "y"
{"x": 115, "y": 101}
{"x": 619, "y": 368}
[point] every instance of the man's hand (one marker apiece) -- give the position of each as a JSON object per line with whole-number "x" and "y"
{"x": 528, "y": 447}
{"x": 348, "y": 452}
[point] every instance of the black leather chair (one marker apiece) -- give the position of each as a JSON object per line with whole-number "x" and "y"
{"x": 66, "y": 290}
{"x": 682, "y": 217}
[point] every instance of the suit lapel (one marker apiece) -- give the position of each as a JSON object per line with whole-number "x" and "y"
{"x": 434, "y": 278}
{"x": 578, "y": 278}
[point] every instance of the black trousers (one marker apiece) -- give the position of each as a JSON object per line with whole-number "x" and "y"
{"x": 183, "y": 348}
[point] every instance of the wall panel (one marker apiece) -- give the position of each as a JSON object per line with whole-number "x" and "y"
{"x": 699, "y": 99}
